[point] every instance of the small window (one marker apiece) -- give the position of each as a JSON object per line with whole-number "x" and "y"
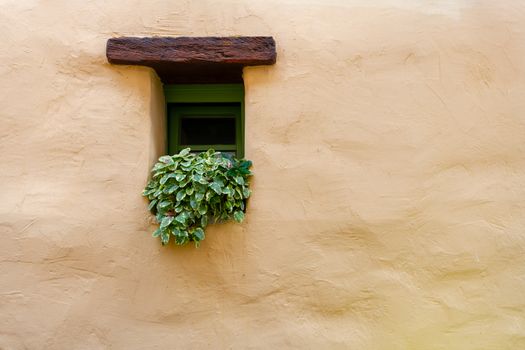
{"x": 205, "y": 116}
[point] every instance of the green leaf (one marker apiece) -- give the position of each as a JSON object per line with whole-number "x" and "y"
{"x": 164, "y": 204}
{"x": 180, "y": 177}
{"x": 184, "y": 183}
{"x": 203, "y": 181}
{"x": 165, "y": 237}
{"x": 227, "y": 190}
{"x": 189, "y": 190}
{"x": 166, "y": 177}
{"x": 166, "y": 221}
{"x": 239, "y": 180}
{"x": 199, "y": 234}
{"x": 180, "y": 195}
{"x": 238, "y": 216}
{"x": 172, "y": 189}
{"x": 158, "y": 167}
{"x": 216, "y": 187}
{"x": 204, "y": 220}
{"x": 166, "y": 159}
{"x": 199, "y": 196}
{"x": 203, "y": 209}
{"x": 147, "y": 191}
{"x": 184, "y": 152}
{"x": 157, "y": 232}
{"x": 182, "y": 238}
{"x": 246, "y": 192}
{"x": 152, "y": 204}
{"x": 219, "y": 181}
{"x": 193, "y": 203}
{"x": 182, "y": 217}
{"x": 246, "y": 164}
{"x": 158, "y": 173}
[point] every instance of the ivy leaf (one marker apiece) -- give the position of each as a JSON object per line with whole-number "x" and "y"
{"x": 184, "y": 183}
{"x": 186, "y": 164}
{"x": 165, "y": 237}
{"x": 203, "y": 209}
{"x": 238, "y": 216}
{"x": 219, "y": 181}
{"x": 184, "y": 152}
{"x": 204, "y": 220}
{"x": 164, "y": 204}
{"x": 182, "y": 238}
{"x": 239, "y": 180}
{"x": 172, "y": 189}
{"x": 182, "y": 217}
{"x": 158, "y": 173}
{"x": 152, "y": 204}
{"x": 193, "y": 203}
{"x": 157, "y": 232}
{"x": 246, "y": 192}
{"x": 158, "y": 167}
{"x": 180, "y": 195}
{"x": 166, "y": 221}
{"x": 166, "y": 159}
{"x": 199, "y": 234}
{"x": 165, "y": 178}
{"x": 216, "y": 187}
{"x": 199, "y": 196}
{"x": 147, "y": 191}
{"x": 203, "y": 181}
{"x": 189, "y": 190}
{"x": 180, "y": 177}
{"x": 247, "y": 164}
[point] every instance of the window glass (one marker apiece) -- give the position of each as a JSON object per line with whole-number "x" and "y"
{"x": 207, "y": 130}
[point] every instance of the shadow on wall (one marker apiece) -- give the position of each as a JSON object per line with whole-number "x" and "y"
{"x": 158, "y": 142}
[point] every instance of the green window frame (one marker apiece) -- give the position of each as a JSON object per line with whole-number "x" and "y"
{"x": 204, "y": 101}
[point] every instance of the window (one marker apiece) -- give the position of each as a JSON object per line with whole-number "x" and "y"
{"x": 203, "y": 116}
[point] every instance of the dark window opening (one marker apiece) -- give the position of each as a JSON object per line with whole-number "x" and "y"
{"x": 203, "y": 130}
{"x": 201, "y": 126}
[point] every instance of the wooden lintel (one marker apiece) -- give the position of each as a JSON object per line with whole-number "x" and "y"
{"x": 180, "y": 58}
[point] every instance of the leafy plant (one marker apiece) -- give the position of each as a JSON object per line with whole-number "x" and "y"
{"x": 187, "y": 191}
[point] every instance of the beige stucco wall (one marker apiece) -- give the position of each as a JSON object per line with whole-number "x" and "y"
{"x": 389, "y": 195}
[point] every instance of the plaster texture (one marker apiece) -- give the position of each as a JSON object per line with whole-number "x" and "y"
{"x": 389, "y": 188}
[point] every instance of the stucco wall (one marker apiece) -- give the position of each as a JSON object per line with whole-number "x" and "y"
{"x": 389, "y": 195}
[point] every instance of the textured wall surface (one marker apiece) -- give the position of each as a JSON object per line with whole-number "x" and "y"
{"x": 389, "y": 196}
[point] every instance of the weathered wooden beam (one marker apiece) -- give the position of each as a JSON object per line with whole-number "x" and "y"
{"x": 193, "y": 59}
{"x": 244, "y": 51}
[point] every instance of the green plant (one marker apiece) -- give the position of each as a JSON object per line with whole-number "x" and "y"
{"x": 187, "y": 191}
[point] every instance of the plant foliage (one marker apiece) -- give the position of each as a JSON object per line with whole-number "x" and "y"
{"x": 187, "y": 191}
